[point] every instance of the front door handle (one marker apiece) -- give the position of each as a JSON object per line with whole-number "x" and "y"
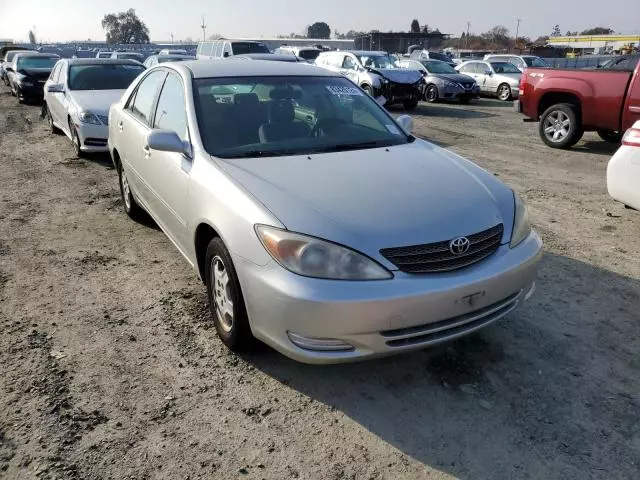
{"x": 147, "y": 151}
{"x": 120, "y": 127}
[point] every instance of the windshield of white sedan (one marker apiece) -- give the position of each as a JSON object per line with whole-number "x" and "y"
{"x": 103, "y": 76}
{"x": 271, "y": 116}
{"x": 377, "y": 61}
{"x": 504, "y": 67}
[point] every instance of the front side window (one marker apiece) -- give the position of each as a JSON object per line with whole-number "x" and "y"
{"x": 270, "y": 116}
{"x": 504, "y": 67}
{"x": 437, "y": 66}
{"x": 141, "y": 105}
{"x": 35, "y": 62}
{"x": 103, "y": 76}
{"x": 171, "y": 109}
{"x": 349, "y": 63}
{"x": 377, "y": 61}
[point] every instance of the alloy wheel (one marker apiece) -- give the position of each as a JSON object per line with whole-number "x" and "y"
{"x": 126, "y": 191}
{"x": 505, "y": 92}
{"x": 557, "y": 126}
{"x": 222, "y": 294}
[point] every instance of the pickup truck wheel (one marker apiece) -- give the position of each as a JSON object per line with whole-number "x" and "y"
{"x": 225, "y": 298}
{"x": 560, "y": 127}
{"x": 609, "y": 136}
{"x": 504, "y": 92}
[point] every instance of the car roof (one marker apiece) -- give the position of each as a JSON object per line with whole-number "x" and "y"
{"x": 263, "y": 68}
{"x": 102, "y": 61}
{"x": 272, "y": 57}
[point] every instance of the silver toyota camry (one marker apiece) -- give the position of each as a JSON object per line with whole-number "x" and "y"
{"x": 318, "y": 223}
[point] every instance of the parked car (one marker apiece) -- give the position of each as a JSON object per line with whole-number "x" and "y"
{"x": 217, "y": 49}
{"x": 6, "y": 56}
{"x": 428, "y": 55}
{"x": 78, "y": 95}
{"x": 318, "y": 223}
{"x": 623, "y": 170}
{"x": 501, "y": 79}
{"x": 569, "y": 102}
{"x": 27, "y": 73}
{"x": 271, "y": 57}
{"x": 173, "y": 51}
{"x": 377, "y": 74}
{"x": 162, "y": 58}
{"x": 520, "y": 61}
{"x": 104, "y": 54}
{"x": 443, "y": 82}
{"x": 138, "y": 57}
{"x": 309, "y": 54}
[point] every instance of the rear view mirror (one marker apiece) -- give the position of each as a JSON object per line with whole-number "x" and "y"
{"x": 406, "y": 123}
{"x": 166, "y": 141}
{"x": 55, "y": 88}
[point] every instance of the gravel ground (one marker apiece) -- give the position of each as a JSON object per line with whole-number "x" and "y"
{"x": 111, "y": 367}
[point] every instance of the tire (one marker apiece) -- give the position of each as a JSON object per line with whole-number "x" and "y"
{"x": 610, "y": 137}
{"x": 13, "y": 89}
{"x": 131, "y": 207}
{"x": 223, "y": 288}
{"x": 465, "y": 101}
{"x": 560, "y": 127}
{"x": 52, "y": 128}
{"x": 431, "y": 94}
{"x": 410, "y": 104}
{"x": 504, "y": 92}
{"x": 368, "y": 90}
{"x": 75, "y": 140}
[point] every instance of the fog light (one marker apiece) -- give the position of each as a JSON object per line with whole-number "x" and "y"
{"x": 319, "y": 344}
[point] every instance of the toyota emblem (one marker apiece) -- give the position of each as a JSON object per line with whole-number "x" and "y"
{"x": 459, "y": 246}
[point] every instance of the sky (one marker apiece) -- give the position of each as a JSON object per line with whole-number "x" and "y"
{"x": 60, "y": 20}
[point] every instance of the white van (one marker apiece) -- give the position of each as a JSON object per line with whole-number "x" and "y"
{"x": 309, "y": 54}
{"x": 216, "y": 49}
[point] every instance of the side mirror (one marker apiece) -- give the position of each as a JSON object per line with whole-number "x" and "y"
{"x": 166, "y": 141}
{"x": 55, "y": 88}
{"x": 8, "y": 69}
{"x": 488, "y": 72}
{"x": 406, "y": 123}
{"x": 225, "y": 54}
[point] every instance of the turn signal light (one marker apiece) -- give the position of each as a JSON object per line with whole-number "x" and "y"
{"x": 632, "y": 137}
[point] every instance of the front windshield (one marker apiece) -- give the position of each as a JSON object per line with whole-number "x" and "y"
{"x": 377, "y": 61}
{"x": 271, "y": 116}
{"x": 36, "y": 62}
{"x": 103, "y": 76}
{"x": 535, "y": 62}
{"x": 439, "y": 67}
{"x": 504, "y": 67}
{"x": 249, "y": 47}
{"x": 309, "y": 54}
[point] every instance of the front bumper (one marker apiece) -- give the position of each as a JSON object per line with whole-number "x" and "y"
{"x": 93, "y": 138}
{"x": 384, "y": 317}
{"x": 458, "y": 93}
{"x": 401, "y": 92}
{"x": 33, "y": 91}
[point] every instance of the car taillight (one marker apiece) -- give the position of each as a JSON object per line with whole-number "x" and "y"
{"x": 521, "y": 87}
{"x": 632, "y": 137}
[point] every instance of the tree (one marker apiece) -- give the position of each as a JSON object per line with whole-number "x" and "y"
{"x": 426, "y": 29}
{"x": 556, "y": 31}
{"x": 319, "y": 30}
{"x": 32, "y": 37}
{"x": 125, "y": 27}
{"x": 415, "y": 26}
{"x": 597, "y": 31}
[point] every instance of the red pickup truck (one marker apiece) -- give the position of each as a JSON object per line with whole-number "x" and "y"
{"x": 569, "y": 102}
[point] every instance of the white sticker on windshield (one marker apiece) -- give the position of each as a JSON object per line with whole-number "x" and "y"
{"x": 393, "y": 129}
{"x": 336, "y": 90}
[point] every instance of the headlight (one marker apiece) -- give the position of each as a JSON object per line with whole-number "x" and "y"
{"x": 312, "y": 257}
{"x": 451, "y": 84}
{"x": 521, "y": 225}
{"x": 88, "y": 117}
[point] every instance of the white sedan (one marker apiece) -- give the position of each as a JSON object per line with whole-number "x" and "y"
{"x": 623, "y": 171}
{"x": 78, "y": 95}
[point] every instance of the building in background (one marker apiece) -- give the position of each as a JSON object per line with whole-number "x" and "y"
{"x": 399, "y": 42}
{"x": 597, "y": 44}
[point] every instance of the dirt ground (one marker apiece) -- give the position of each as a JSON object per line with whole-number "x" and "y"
{"x": 111, "y": 367}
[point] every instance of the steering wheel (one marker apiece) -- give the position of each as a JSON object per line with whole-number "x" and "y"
{"x": 325, "y": 124}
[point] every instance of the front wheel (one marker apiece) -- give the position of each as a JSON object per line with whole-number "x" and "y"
{"x": 368, "y": 90}
{"x": 431, "y": 95}
{"x": 560, "y": 127}
{"x": 610, "y": 137}
{"x": 52, "y": 128}
{"x": 504, "y": 92}
{"x": 75, "y": 139}
{"x": 225, "y": 298}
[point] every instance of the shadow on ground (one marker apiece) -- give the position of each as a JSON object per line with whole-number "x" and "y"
{"x": 598, "y": 147}
{"x": 549, "y": 392}
{"x": 448, "y": 111}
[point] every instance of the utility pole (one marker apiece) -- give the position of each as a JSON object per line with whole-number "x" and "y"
{"x": 466, "y": 40}
{"x": 204, "y": 29}
{"x": 171, "y": 35}
{"x": 517, "y": 31}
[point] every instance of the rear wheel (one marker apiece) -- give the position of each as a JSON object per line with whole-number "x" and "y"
{"x": 560, "y": 127}
{"x": 411, "y": 104}
{"x": 431, "y": 94}
{"x": 504, "y": 92}
{"x": 609, "y": 136}
{"x": 225, "y": 298}
{"x": 131, "y": 207}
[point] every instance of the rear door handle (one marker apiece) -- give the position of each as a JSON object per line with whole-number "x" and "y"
{"x": 147, "y": 151}
{"x": 120, "y": 127}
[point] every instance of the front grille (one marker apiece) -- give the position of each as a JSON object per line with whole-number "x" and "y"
{"x": 104, "y": 119}
{"x": 95, "y": 142}
{"x": 436, "y": 257}
{"x": 431, "y": 333}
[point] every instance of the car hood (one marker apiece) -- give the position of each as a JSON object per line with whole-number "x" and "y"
{"x": 96, "y": 101}
{"x": 378, "y": 198}
{"x": 453, "y": 77}
{"x": 399, "y": 75}
{"x": 512, "y": 78}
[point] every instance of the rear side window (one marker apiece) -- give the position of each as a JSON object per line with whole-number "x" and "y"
{"x": 171, "y": 110}
{"x": 626, "y": 64}
{"x": 142, "y": 102}
{"x": 468, "y": 68}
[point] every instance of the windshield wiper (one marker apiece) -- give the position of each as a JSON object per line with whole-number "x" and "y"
{"x": 343, "y": 147}
{"x": 260, "y": 153}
